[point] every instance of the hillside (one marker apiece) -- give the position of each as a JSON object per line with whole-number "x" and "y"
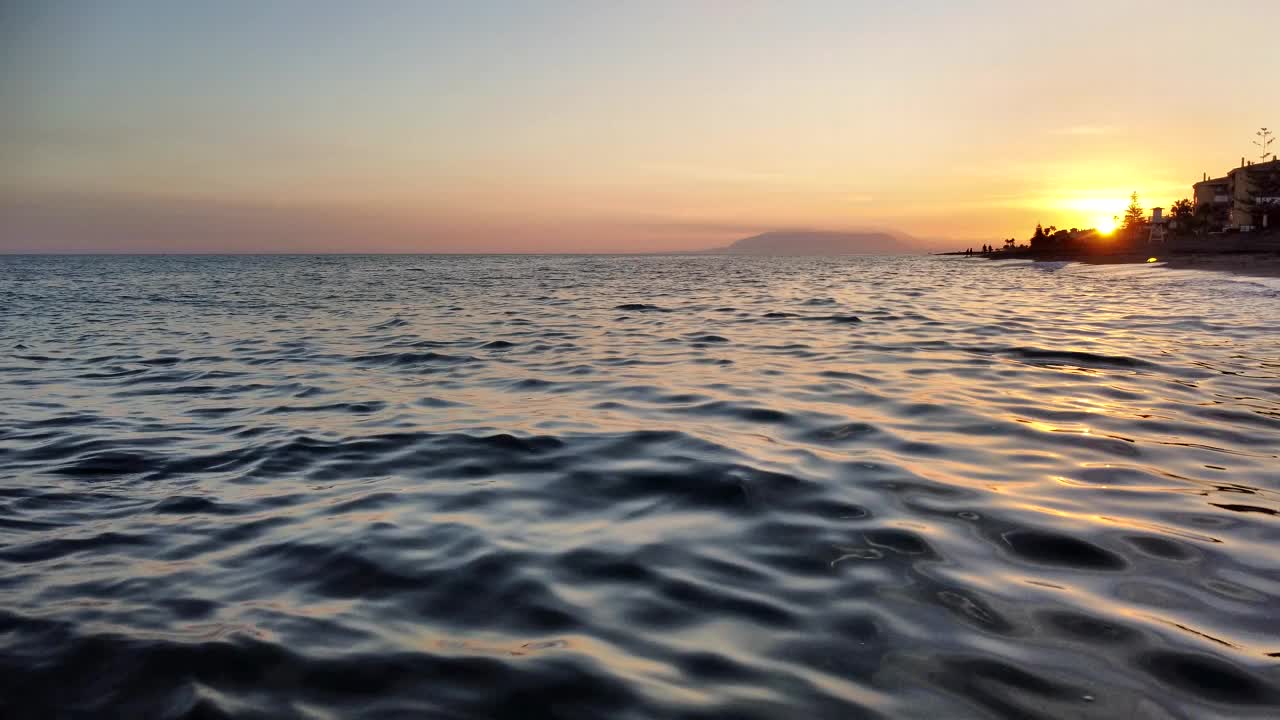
{"x": 819, "y": 243}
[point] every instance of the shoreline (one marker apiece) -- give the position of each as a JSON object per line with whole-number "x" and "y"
{"x": 1254, "y": 264}
{"x": 1249, "y": 264}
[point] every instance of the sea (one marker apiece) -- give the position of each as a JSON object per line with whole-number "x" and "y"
{"x": 621, "y": 487}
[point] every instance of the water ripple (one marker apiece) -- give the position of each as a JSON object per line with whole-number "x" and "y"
{"x": 635, "y": 487}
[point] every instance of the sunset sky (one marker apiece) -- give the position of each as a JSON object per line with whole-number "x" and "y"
{"x": 602, "y": 126}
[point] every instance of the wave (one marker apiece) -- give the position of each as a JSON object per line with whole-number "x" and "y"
{"x": 687, "y": 487}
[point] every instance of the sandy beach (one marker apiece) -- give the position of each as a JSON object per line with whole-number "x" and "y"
{"x": 1255, "y": 264}
{"x": 1260, "y": 264}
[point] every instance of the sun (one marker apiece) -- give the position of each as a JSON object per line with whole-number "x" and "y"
{"x": 1105, "y": 225}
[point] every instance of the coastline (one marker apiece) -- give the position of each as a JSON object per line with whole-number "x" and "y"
{"x": 1253, "y": 264}
{"x": 1250, "y": 264}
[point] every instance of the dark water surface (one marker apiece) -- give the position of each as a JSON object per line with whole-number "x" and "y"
{"x": 620, "y": 487}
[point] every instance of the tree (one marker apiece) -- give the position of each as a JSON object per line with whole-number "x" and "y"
{"x": 1189, "y": 219}
{"x": 1039, "y": 234}
{"x": 1264, "y": 142}
{"x": 1134, "y": 216}
{"x": 1182, "y": 210}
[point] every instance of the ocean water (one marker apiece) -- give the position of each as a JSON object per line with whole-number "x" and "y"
{"x": 636, "y": 487}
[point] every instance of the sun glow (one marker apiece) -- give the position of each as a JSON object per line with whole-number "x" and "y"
{"x": 1105, "y": 225}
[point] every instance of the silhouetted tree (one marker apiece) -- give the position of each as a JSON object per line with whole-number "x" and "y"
{"x": 1134, "y": 216}
{"x": 1182, "y": 209}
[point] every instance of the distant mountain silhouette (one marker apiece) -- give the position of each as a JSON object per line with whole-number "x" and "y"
{"x": 811, "y": 242}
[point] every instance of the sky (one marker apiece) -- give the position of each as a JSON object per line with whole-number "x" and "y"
{"x": 542, "y": 126}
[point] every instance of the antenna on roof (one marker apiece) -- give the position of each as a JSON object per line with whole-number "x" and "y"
{"x": 1264, "y": 140}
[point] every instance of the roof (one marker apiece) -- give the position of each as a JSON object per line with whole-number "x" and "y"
{"x": 1213, "y": 181}
{"x": 1268, "y": 165}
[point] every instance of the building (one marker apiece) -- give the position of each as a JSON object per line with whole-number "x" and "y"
{"x": 1213, "y": 193}
{"x": 1245, "y": 199}
{"x": 1255, "y": 196}
{"x": 1213, "y": 201}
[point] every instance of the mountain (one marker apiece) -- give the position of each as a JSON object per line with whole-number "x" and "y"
{"x": 810, "y": 242}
